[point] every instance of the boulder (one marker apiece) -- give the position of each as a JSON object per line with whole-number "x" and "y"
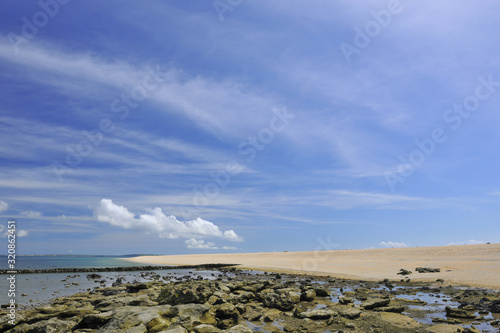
{"x": 375, "y": 303}
{"x": 348, "y": 312}
{"x": 204, "y": 328}
{"x": 239, "y": 329}
{"x": 403, "y": 271}
{"x": 400, "y": 321}
{"x": 459, "y": 313}
{"x": 281, "y": 302}
{"x": 308, "y": 295}
{"x": 317, "y": 314}
{"x": 185, "y": 293}
{"x": 427, "y": 270}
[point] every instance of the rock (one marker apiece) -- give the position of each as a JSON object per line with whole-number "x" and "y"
{"x": 271, "y": 315}
{"x": 96, "y": 320}
{"x": 445, "y": 328}
{"x": 397, "y": 309}
{"x": 345, "y": 300}
{"x": 317, "y": 314}
{"x": 204, "y": 328}
{"x": 134, "y": 288}
{"x": 189, "y": 315}
{"x": 459, "y": 313}
{"x": 239, "y": 329}
{"x": 495, "y": 306}
{"x": 321, "y": 292}
{"x": 226, "y": 310}
{"x": 185, "y": 293}
{"x": 308, "y": 295}
{"x": 375, "y": 303}
{"x": 52, "y": 325}
{"x": 281, "y": 302}
{"x": 175, "y": 330}
{"x": 93, "y": 276}
{"x": 427, "y": 270}
{"x": 403, "y": 271}
{"x": 399, "y": 320}
{"x": 348, "y": 312}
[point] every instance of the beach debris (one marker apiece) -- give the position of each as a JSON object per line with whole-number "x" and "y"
{"x": 403, "y": 271}
{"x": 427, "y": 270}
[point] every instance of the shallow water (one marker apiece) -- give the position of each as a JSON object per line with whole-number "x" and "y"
{"x": 41, "y": 288}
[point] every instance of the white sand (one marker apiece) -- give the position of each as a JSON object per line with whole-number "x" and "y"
{"x": 474, "y": 265}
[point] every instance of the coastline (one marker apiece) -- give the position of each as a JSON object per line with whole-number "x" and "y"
{"x": 470, "y": 265}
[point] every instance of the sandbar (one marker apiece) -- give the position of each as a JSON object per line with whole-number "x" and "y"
{"x": 466, "y": 265}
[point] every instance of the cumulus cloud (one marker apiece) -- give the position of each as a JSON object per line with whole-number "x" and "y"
{"x": 200, "y": 244}
{"x": 469, "y": 242}
{"x": 3, "y": 206}
{"x": 155, "y": 221}
{"x": 393, "y": 244}
{"x": 22, "y": 233}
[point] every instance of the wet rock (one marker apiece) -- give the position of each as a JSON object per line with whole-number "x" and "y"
{"x": 185, "y": 293}
{"x": 136, "y": 287}
{"x": 282, "y": 302}
{"x": 345, "y": 300}
{"x": 52, "y": 325}
{"x": 495, "y": 306}
{"x": 375, "y": 303}
{"x": 317, "y": 314}
{"x": 239, "y": 329}
{"x": 395, "y": 308}
{"x": 308, "y": 295}
{"x": 175, "y": 330}
{"x": 444, "y": 328}
{"x": 427, "y": 270}
{"x": 399, "y": 320}
{"x": 348, "y": 312}
{"x": 459, "y": 313}
{"x": 321, "y": 292}
{"x": 204, "y": 328}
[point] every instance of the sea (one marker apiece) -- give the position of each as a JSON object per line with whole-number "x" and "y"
{"x": 32, "y": 290}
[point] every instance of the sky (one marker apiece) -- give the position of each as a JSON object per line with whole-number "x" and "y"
{"x": 180, "y": 127}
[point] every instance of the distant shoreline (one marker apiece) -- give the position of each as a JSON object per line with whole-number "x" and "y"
{"x": 110, "y": 269}
{"x": 468, "y": 265}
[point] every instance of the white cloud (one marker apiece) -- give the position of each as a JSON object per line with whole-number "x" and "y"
{"x": 31, "y": 214}
{"x": 469, "y": 242}
{"x": 229, "y": 248}
{"x": 22, "y": 233}
{"x": 200, "y": 244}
{"x": 3, "y": 206}
{"x": 393, "y": 244}
{"x": 157, "y": 222}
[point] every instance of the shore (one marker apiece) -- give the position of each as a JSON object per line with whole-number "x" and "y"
{"x": 229, "y": 300}
{"x": 472, "y": 265}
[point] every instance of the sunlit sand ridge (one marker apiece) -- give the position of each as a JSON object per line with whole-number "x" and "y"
{"x": 474, "y": 265}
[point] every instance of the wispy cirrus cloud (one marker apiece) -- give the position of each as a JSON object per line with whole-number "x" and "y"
{"x": 3, "y": 206}
{"x": 394, "y": 244}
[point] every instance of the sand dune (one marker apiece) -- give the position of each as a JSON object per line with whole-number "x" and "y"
{"x": 474, "y": 265}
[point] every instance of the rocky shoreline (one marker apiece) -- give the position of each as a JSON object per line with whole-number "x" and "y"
{"x": 111, "y": 269}
{"x": 240, "y": 301}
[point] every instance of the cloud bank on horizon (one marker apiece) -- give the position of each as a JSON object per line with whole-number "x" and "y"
{"x": 278, "y": 123}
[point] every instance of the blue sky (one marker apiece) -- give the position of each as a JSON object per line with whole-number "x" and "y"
{"x": 177, "y": 127}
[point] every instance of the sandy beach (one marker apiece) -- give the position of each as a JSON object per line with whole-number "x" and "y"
{"x": 472, "y": 265}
